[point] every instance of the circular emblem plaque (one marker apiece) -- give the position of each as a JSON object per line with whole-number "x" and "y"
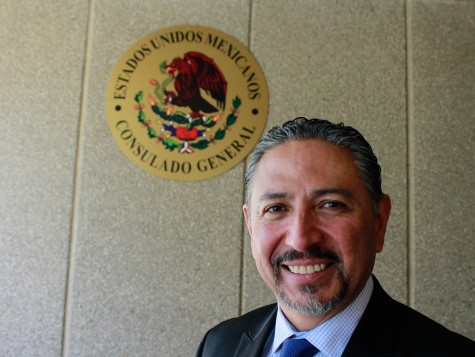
{"x": 187, "y": 103}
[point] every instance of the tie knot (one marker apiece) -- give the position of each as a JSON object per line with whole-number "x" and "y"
{"x": 293, "y": 347}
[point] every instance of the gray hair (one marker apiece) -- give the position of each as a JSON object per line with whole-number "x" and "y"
{"x": 337, "y": 134}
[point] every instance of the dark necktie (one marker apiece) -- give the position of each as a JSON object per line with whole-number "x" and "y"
{"x": 293, "y": 347}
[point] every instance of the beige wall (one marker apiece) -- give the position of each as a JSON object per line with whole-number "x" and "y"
{"x": 100, "y": 258}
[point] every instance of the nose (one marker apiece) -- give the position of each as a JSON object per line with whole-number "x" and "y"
{"x": 303, "y": 231}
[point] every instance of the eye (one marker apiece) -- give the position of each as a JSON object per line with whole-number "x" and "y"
{"x": 274, "y": 209}
{"x": 333, "y": 205}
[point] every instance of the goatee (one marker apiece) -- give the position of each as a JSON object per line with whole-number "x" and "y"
{"x": 312, "y": 305}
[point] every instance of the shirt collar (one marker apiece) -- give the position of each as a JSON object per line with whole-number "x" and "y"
{"x": 333, "y": 335}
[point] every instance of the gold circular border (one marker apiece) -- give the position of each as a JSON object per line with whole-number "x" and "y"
{"x": 141, "y": 64}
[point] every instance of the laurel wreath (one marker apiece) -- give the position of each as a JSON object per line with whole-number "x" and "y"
{"x": 181, "y": 119}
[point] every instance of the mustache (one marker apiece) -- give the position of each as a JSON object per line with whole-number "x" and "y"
{"x": 314, "y": 252}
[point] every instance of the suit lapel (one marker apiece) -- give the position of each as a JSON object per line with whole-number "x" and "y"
{"x": 374, "y": 334}
{"x": 252, "y": 342}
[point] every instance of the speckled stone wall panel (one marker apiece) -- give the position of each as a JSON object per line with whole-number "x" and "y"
{"x": 444, "y": 162}
{"x": 156, "y": 263}
{"x": 342, "y": 61}
{"x": 41, "y": 57}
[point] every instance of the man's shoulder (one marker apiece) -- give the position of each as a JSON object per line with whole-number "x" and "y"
{"x": 246, "y": 322}
{"x": 409, "y": 319}
{"x": 224, "y": 338}
{"x": 425, "y": 329}
{"x": 406, "y": 330}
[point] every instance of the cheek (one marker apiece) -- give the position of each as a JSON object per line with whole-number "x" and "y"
{"x": 263, "y": 245}
{"x": 357, "y": 248}
{"x": 264, "y": 242}
{"x": 345, "y": 240}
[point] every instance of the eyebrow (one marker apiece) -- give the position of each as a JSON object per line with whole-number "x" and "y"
{"x": 269, "y": 196}
{"x": 331, "y": 191}
{"x": 313, "y": 194}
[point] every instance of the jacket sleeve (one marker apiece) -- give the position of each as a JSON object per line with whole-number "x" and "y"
{"x": 199, "y": 352}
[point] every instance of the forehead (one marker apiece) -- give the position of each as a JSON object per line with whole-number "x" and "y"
{"x": 305, "y": 163}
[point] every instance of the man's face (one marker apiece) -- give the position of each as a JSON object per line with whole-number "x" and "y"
{"x": 314, "y": 232}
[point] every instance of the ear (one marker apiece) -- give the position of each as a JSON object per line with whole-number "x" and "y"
{"x": 382, "y": 218}
{"x": 247, "y": 217}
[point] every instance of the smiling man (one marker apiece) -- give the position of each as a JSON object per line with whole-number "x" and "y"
{"x": 317, "y": 218}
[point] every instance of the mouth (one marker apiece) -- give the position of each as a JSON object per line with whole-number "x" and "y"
{"x": 307, "y": 269}
{"x": 315, "y": 260}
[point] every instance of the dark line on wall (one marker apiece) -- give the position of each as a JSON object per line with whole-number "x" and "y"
{"x": 243, "y": 225}
{"x": 410, "y": 212}
{"x": 243, "y": 248}
{"x": 75, "y": 203}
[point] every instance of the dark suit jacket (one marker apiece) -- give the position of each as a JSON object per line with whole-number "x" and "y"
{"x": 387, "y": 328}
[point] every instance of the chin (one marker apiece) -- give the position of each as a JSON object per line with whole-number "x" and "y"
{"x": 310, "y": 303}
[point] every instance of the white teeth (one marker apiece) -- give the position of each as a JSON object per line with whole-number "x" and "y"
{"x": 306, "y": 269}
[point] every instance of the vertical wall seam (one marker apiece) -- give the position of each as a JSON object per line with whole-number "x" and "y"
{"x": 243, "y": 226}
{"x": 76, "y": 183}
{"x": 243, "y": 247}
{"x": 411, "y": 252}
